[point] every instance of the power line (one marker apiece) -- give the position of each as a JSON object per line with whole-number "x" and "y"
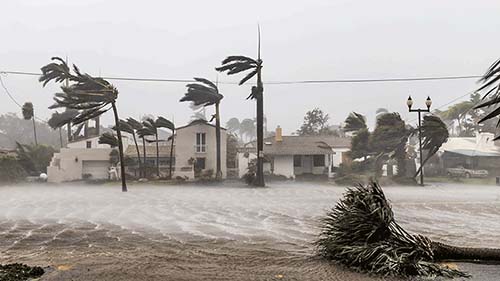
{"x": 7, "y": 92}
{"x": 331, "y": 81}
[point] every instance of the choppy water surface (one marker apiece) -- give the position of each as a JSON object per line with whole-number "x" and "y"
{"x": 41, "y": 223}
{"x": 284, "y": 212}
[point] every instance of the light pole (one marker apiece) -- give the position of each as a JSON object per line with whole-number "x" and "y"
{"x": 428, "y": 103}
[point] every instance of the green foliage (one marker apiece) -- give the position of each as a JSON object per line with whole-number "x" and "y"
{"x": 57, "y": 120}
{"x": 10, "y": 169}
{"x": 360, "y": 144}
{"x": 361, "y": 232}
{"x": 355, "y": 122}
{"x": 434, "y": 134}
{"x": 203, "y": 93}
{"x": 236, "y": 64}
{"x": 91, "y": 96}
{"x": 34, "y": 158}
{"x": 315, "y": 123}
{"x": 15, "y": 129}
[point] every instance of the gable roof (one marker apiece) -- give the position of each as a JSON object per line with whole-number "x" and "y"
{"x": 198, "y": 122}
{"x": 301, "y": 145}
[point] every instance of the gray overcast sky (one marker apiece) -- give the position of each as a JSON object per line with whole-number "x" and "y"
{"x": 315, "y": 39}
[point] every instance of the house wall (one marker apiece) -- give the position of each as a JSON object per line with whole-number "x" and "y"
{"x": 185, "y": 143}
{"x": 337, "y": 157}
{"x": 283, "y": 165}
{"x": 67, "y": 165}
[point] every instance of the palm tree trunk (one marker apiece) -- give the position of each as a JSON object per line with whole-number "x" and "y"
{"x": 34, "y": 129}
{"x": 138, "y": 153}
{"x": 218, "y": 174}
{"x": 120, "y": 148}
{"x": 157, "y": 156}
{"x": 68, "y": 128}
{"x": 144, "y": 172}
{"x": 171, "y": 154}
{"x": 447, "y": 252}
{"x": 60, "y": 137}
{"x": 259, "y": 181}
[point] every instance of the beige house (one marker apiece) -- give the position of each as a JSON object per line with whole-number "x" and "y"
{"x": 195, "y": 147}
{"x": 293, "y": 156}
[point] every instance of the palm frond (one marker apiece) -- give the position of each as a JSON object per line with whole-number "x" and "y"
{"x": 204, "y": 93}
{"x": 361, "y": 232}
{"x": 57, "y": 120}
{"x": 108, "y": 138}
{"x": 124, "y": 127}
{"x": 162, "y": 122}
{"x": 136, "y": 125}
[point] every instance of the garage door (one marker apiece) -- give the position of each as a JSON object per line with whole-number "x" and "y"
{"x": 98, "y": 169}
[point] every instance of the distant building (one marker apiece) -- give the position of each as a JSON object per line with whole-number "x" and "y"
{"x": 479, "y": 152}
{"x": 293, "y": 156}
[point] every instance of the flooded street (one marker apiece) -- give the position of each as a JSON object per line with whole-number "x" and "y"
{"x": 217, "y": 233}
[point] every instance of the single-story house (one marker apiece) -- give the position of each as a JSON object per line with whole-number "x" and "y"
{"x": 293, "y": 156}
{"x": 480, "y": 152}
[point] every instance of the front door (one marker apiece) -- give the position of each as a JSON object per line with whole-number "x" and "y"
{"x": 307, "y": 164}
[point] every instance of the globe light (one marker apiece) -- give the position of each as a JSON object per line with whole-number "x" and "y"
{"x": 428, "y": 102}
{"x": 409, "y": 102}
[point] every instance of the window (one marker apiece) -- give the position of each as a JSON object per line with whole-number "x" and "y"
{"x": 201, "y": 142}
{"x": 89, "y": 144}
{"x": 319, "y": 160}
{"x": 297, "y": 160}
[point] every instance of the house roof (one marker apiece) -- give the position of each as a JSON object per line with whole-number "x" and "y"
{"x": 482, "y": 145}
{"x": 198, "y": 122}
{"x": 150, "y": 150}
{"x": 301, "y": 145}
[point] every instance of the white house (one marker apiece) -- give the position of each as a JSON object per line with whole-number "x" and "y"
{"x": 293, "y": 156}
{"x": 84, "y": 158}
{"x": 194, "y": 154}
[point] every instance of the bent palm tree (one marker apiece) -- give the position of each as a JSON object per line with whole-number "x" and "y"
{"x": 151, "y": 129}
{"x": 144, "y": 132}
{"x": 354, "y": 122}
{"x": 92, "y": 96}
{"x": 491, "y": 86}
{"x": 29, "y": 114}
{"x": 361, "y": 232}
{"x": 164, "y": 123}
{"x": 206, "y": 93}
{"x": 136, "y": 126}
{"x": 127, "y": 128}
{"x": 109, "y": 139}
{"x": 58, "y": 120}
{"x": 434, "y": 134}
{"x": 236, "y": 64}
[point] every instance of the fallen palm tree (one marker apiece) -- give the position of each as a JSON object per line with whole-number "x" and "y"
{"x": 361, "y": 232}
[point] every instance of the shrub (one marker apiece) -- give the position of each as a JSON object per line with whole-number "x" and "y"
{"x": 11, "y": 170}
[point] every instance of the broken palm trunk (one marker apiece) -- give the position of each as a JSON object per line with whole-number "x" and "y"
{"x": 360, "y": 232}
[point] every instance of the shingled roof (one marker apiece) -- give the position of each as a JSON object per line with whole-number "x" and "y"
{"x": 301, "y": 145}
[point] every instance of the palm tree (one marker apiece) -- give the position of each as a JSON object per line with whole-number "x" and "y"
{"x": 58, "y": 120}
{"x": 92, "y": 96}
{"x": 151, "y": 129}
{"x": 143, "y": 132}
{"x": 127, "y": 128}
{"x": 233, "y": 125}
{"x": 164, "y": 123}
{"x": 237, "y": 64}
{"x": 490, "y": 84}
{"x": 247, "y": 128}
{"x": 434, "y": 134}
{"x": 205, "y": 93}
{"x": 109, "y": 139}
{"x": 354, "y": 122}
{"x": 29, "y": 114}
{"x": 136, "y": 126}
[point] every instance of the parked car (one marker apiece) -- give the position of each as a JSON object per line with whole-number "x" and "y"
{"x": 466, "y": 173}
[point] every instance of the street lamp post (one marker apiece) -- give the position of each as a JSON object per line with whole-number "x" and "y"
{"x": 428, "y": 103}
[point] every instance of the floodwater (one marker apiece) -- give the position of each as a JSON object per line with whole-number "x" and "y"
{"x": 228, "y": 232}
